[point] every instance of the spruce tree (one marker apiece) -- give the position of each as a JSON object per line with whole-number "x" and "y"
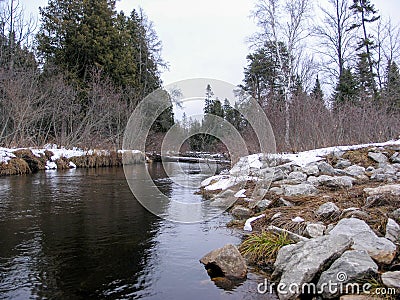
{"x": 317, "y": 92}
{"x": 392, "y": 87}
{"x": 346, "y": 89}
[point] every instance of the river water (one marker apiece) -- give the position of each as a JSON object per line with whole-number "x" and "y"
{"x": 80, "y": 234}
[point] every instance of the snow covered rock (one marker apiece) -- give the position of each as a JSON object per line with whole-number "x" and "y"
{"x": 352, "y": 266}
{"x": 380, "y": 249}
{"x": 298, "y": 264}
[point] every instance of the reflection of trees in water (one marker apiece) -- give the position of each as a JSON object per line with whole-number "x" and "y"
{"x": 91, "y": 235}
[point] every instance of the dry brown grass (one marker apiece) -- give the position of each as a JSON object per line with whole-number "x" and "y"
{"x": 35, "y": 163}
{"x": 16, "y": 166}
{"x": 98, "y": 161}
{"x": 305, "y": 208}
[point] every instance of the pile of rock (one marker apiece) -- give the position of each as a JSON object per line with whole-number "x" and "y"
{"x": 340, "y": 241}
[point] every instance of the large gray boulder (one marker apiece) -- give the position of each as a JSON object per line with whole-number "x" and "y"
{"x": 241, "y": 212}
{"x": 311, "y": 169}
{"x": 296, "y": 177}
{"x": 392, "y": 231}
{"x": 378, "y": 157}
{"x": 328, "y": 210}
{"x": 314, "y": 230}
{"x": 333, "y": 182}
{"x": 303, "y": 189}
{"x": 391, "y": 189}
{"x": 395, "y": 158}
{"x": 299, "y": 263}
{"x": 355, "y": 171}
{"x": 380, "y": 249}
{"x": 391, "y": 279}
{"x": 352, "y": 266}
{"x": 226, "y": 261}
{"x": 326, "y": 168}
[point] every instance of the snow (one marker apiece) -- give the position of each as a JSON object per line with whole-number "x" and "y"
{"x": 242, "y": 168}
{"x": 247, "y": 224}
{"x": 5, "y": 155}
{"x": 241, "y": 194}
{"x": 72, "y": 165}
{"x": 298, "y": 220}
{"x": 50, "y": 165}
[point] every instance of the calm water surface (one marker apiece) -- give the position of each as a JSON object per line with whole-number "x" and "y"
{"x": 80, "y": 234}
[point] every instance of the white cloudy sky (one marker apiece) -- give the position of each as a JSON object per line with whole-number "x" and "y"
{"x": 206, "y": 38}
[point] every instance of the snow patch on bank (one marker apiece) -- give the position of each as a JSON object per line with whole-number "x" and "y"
{"x": 243, "y": 169}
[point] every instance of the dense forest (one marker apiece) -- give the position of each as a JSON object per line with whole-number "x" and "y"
{"x": 76, "y": 79}
{"x": 325, "y": 74}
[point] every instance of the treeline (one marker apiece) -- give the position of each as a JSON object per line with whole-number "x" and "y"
{"x": 76, "y": 79}
{"x": 351, "y": 53}
{"x": 322, "y": 81}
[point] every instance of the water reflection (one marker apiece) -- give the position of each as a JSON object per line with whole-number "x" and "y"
{"x": 80, "y": 234}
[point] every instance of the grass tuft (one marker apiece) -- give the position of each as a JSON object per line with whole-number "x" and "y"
{"x": 262, "y": 248}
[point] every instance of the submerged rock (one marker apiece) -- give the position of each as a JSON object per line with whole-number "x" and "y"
{"x": 299, "y": 263}
{"x": 380, "y": 249}
{"x": 352, "y": 266}
{"x": 225, "y": 262}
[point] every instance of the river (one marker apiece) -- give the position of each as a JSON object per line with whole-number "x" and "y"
{"x": 80, "y": 234}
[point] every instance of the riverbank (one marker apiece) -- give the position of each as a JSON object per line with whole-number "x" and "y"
{"x": 338, "y": 207}
{"x": 22, "y": 161}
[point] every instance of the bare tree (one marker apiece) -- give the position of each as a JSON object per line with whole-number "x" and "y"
{"x": 15, "y": 28}
{"x": 284, "y": 22}
{"x": 336, "y": 42}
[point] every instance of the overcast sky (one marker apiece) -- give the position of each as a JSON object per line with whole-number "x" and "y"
{"x": 206, "y": 38}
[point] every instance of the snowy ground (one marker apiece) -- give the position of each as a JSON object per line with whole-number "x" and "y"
{"x": 254, "y": 162}
{"x": 6, "y": 154}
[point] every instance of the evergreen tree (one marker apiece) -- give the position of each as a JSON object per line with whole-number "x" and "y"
{"x": 346, "y": 89}
{"x": 392, "y": 86}
{"x": 261, "y": 77}
{"x": 365, "y": 13}
{"x": 316, "y": 92}
{"x": 366, "y": 82}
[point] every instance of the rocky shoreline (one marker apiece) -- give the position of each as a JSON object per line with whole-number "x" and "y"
{"x": 339, "y": 206}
